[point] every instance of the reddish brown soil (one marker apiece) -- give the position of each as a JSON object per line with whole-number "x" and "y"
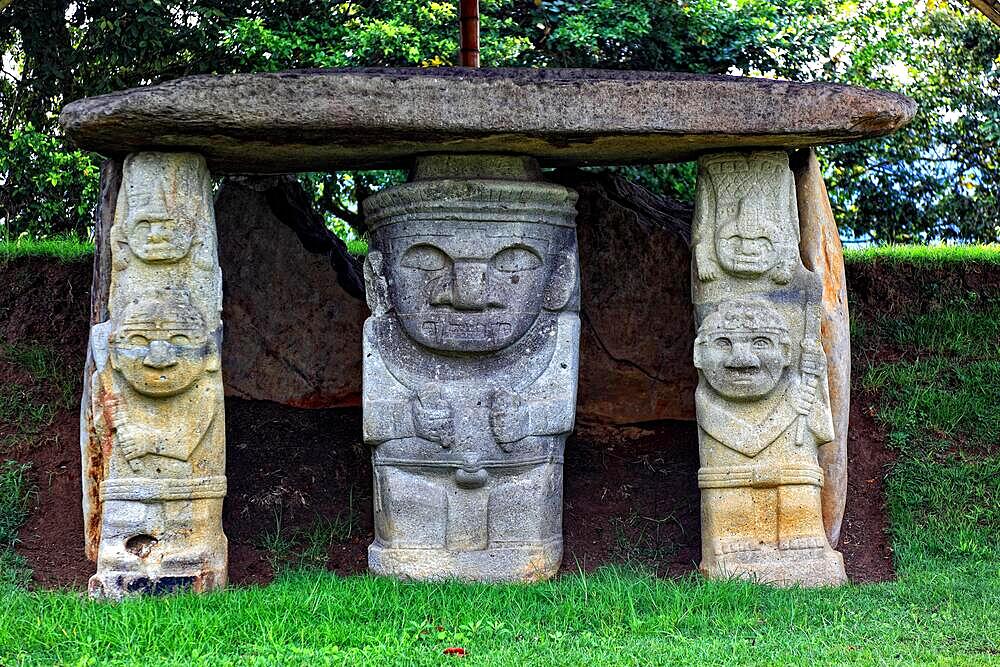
{"x": 47, "y": 303}
{"x": 631, "y": 493}
{"x": 864, "y": 536}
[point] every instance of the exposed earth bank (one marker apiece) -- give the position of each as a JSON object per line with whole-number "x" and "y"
{"x": 297, "y": 474}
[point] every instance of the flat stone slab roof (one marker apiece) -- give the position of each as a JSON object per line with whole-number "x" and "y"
{"x": 323, "y": 120}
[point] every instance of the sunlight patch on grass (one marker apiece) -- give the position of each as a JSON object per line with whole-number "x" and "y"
{"x": 62, "y": 249}
{"x": 926, "y": 254}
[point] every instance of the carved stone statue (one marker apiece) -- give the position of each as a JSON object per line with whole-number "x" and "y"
{"x": 745, "y": 226}
{"x": 470, "y": 368}
{"x": 156, "y": 413}
{"x": 762, "y": 402}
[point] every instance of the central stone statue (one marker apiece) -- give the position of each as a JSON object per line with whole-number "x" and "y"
{"x": 470, "y": 369}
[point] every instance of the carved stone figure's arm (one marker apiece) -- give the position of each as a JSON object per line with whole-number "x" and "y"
{"x": 390, "y": 415}
{"x": 551, "y": 416}
{"x": 180, "y": 441}
{"x": 548, "y": 407}
{"x": 821, "y": 416}
{"x": 175, "y": 440}
{"x": 703, "y": 235}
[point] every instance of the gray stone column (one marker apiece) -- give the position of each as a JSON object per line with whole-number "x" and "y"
{"x": 470, "y": 369}
{"x": 154, "y": 428}
{"x": 763, "y": 400}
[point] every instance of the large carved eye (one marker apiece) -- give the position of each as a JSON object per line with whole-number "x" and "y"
{"x": 424, "y": 257}
{"x": 762, "y": 343}
{"x": 180, "y": 340}
{"x": 138, "y": 340}
{"x": 516, "y": 258}
{"x": 724, "y": 344}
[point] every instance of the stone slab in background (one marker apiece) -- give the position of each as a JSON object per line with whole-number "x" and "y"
{"x": 823, "y": 254}
{"x": 637, "y": 324}
{"x": 317, "y": 120}
{"x": 293, "y": 333}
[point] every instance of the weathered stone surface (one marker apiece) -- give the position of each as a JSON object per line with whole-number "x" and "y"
{"x": 91, "y": 456}
{"x": 329, "y": 119}
{"x": 637, "y": 325}
{"x": 823, "y": 254}
{"x": 156, "y": 393}
{"x": 762, "y": 401}
{"x": 470, "y": 368}
{"x": 293, "y": 332}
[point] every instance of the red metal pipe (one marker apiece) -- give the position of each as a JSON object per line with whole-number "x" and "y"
{"x": 469, "y": 35}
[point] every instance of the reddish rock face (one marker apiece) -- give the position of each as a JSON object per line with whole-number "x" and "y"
{"x": 293, "y": 334}
{"x": 637, "y": 325}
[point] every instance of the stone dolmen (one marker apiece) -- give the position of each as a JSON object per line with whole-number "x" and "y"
{"x": 471, "y": 352}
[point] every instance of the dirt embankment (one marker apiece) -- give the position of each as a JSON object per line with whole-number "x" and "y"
{"x": 631, "y": 493}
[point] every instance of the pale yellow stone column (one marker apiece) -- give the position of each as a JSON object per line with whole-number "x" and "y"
{"x": 156, "y": 431}
{"x": 762, "y": 403}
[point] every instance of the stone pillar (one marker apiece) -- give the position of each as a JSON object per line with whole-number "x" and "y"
{"x": 762, "y": 402}
{"x": 470, "y": 369}
{"x": 156, "y": 398}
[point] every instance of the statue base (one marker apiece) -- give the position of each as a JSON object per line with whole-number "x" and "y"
{"x": 116, "y": 585}
{"x": 503, "y": 563}
{"x": 807, "y": 567}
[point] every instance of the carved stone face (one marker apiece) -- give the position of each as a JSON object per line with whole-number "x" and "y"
{"x": 743, "y": 350}
{"x": 157, "y": 227}
{"x": 748, "y": 246}
{"x": 161, "y": 347}
{"x": 477, "y": 288}
{"x": 744, "y": 365}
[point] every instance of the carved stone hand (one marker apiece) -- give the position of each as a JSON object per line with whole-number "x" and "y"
{"x": 708, "y": 270}
{"x": 509, "y": 417}
{"x": 134, "y": 443}
{"x": 433, "y": 417}
{"x": 813, "y": 358}
{"x": 782, "y": 274}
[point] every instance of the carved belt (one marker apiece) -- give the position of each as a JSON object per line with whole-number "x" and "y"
{"x": 758, "y": 477}
{"x": 471, "y": 472}
{"x": 148, "y": 489}
{"x": 459, "y": 463}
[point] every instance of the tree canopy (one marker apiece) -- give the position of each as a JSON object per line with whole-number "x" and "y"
{"x": 938, "y": 178}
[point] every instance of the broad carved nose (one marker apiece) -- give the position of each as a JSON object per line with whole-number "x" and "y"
{"x": 159, "y": 231}
{"x": 742, "y": 358}
{"x": 748, "y": 247}
{"x": 161, "y": 355}
{"x": 468, "y": 285}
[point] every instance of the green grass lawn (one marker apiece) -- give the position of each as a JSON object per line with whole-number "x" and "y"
{"x": 59, "y": 248}
{"x": 939, "y": 400}
{"x": 926, "y": 254}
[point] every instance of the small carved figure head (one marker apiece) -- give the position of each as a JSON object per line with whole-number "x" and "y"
{"x": 749, "y": 245}
{"x": 475, "y": 285}
{"x": 755, "y": 226}
{"x": 159, "y": 222}
{"x": 160, "y": 344}
{"x": 743, "y": 349}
